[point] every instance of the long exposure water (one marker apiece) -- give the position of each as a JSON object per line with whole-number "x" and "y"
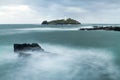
{"x": 73, "y": 54}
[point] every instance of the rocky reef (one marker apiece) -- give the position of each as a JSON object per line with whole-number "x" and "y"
{"x": 107, "y": 28}
{"x": 24, "y": 49}
{"x": 61, "y": 22}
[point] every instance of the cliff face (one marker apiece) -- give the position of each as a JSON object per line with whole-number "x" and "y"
{"x": 62, "y": 21}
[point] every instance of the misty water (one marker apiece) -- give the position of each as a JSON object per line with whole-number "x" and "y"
{"x": 73, "y": 54}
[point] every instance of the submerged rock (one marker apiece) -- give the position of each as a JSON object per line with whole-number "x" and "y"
{"x": 24, "y": 49}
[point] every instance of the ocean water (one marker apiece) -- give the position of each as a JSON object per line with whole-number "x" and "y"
{"x": 73, "y": 54}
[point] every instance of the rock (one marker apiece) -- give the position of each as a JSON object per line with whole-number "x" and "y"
{"x": 110, "y": 28}
{"x": 26, "y": 48}
{"x": 61, "y": 22}
{"x": 44, "y": 22}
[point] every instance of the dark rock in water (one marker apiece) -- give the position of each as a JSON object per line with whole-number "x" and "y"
{"x": 108, "y": 28}
{"x": 23, "y": 49}
{"x": 44, "y": 22}
{"x": 27, "y": 47}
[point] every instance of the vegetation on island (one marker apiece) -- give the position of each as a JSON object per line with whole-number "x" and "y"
{"x": 61, "y": 22}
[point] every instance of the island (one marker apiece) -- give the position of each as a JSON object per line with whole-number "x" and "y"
{"x": 61, "y": 22}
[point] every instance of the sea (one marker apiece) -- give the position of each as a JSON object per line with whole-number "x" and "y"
{"x": 70, "y": 54}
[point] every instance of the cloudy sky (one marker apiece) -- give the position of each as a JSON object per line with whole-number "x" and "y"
{"x": 35, "y": 11}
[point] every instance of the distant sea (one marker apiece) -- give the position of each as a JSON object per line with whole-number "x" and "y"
{"x": 74, "y": 54}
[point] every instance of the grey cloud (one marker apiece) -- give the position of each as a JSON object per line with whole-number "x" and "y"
{"x": 11, "y": 2}
{"x": 88, "y": 10}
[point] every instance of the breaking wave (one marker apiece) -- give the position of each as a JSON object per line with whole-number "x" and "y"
{"x": 47, "y": 29}
{"x": 27, "y": 30}
{"x": 62, "y": 63}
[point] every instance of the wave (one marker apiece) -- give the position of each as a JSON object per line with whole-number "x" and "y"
{"x": 12, "y": 31}
{"x": 47, "y": 29}
{"x": 87, "y": 27}
{"x": 40, "y": 29}
{"x": 27, "y": 30}
{"x": 64, "y": 63}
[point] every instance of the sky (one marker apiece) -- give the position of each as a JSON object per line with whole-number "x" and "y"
{"x": 36, "y": 11}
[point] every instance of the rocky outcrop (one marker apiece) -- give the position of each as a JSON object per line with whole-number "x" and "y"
{"x": 24, "y": 49}
{"x": 108, "y": 28}
{"x": 61, "y": 22}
